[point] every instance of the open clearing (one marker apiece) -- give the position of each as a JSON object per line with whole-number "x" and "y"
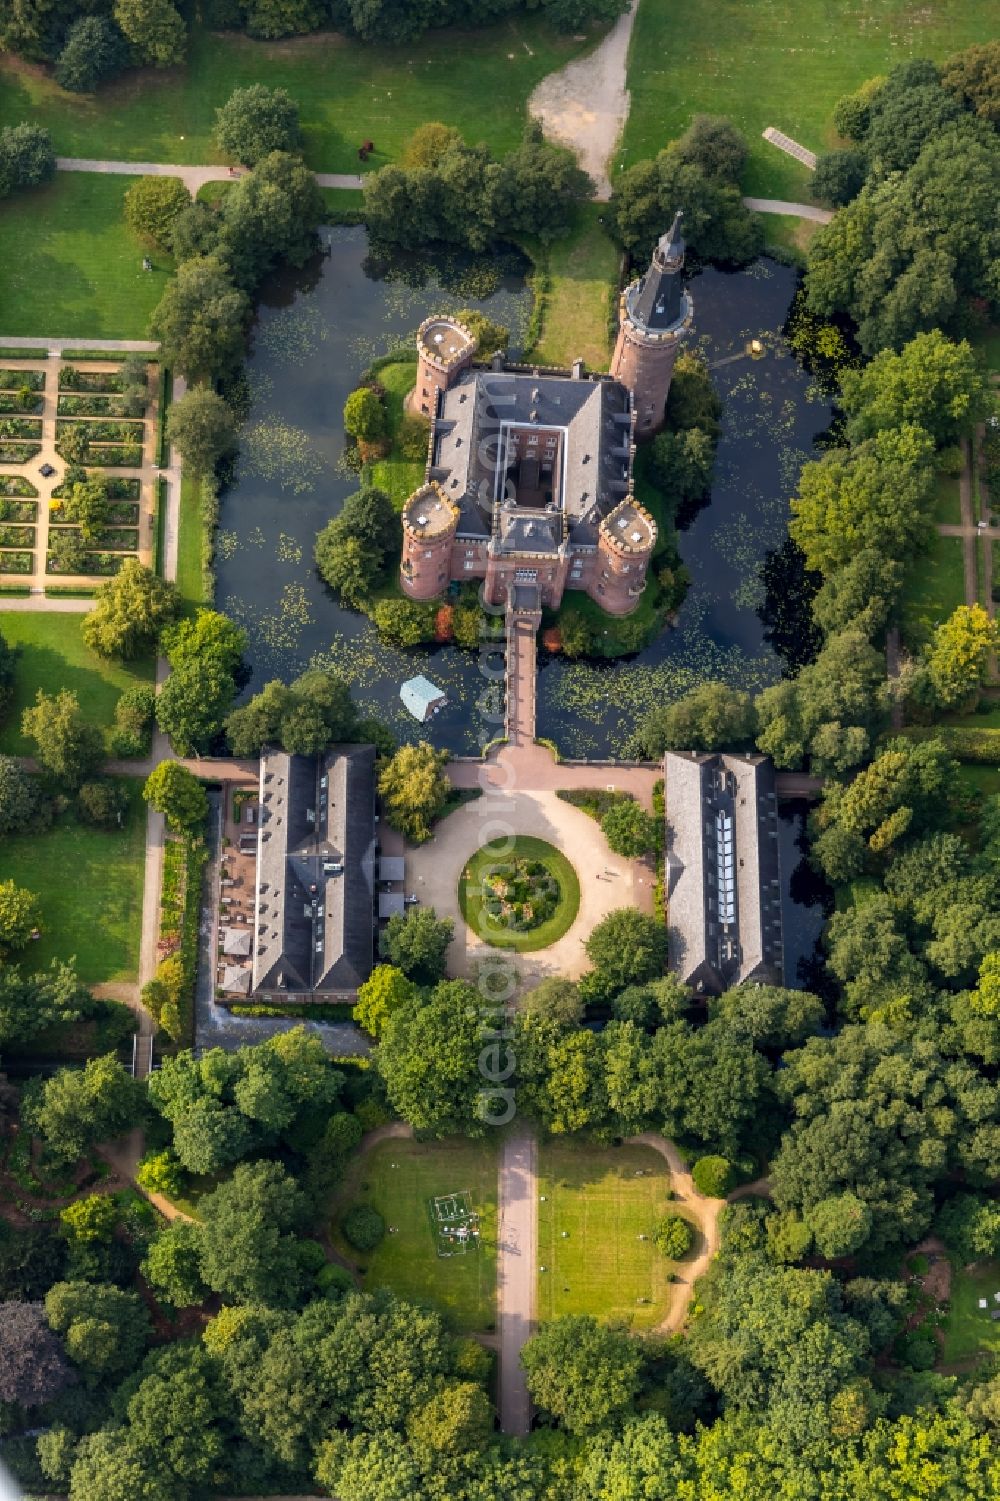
{"x": 54, "y": 656}
{"x": 969, "y": 1332}
{"x": 765, "y": 62}
{"x": 581, "y": 294}
{"x": 935, "y": 586}
{"x": 399, "y": 1178}
{"x": 89, "y": 882}
{"x": 478, "y": 81}
{"x": 602, "y": 1267}
{"x": 71, "y": 269}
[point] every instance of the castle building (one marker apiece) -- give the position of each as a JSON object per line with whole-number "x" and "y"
{"x": 529, "y": 482}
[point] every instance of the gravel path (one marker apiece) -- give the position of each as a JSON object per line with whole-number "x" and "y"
{"x": 517, "y": 1271}
{"x": 796, "y": 210}
{"x": 585, "y": 105}
{"x": 193, "y": 178}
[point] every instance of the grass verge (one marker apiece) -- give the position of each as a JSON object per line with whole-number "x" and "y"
{"x": 579, "y": 282}
{"x": 934, "y": 587}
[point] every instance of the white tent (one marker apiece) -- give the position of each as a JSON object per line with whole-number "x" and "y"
{"x": 422, "y": 697}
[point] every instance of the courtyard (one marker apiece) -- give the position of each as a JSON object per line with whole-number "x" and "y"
{"x": 435, "y": 871}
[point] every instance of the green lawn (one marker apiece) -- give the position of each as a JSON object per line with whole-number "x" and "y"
{"x": 399, "y": 1179}
{"x": 53, "y": 656}
{"x": 790, "y": 233}
{"x": 89, "y": 883}
{"x": 935, "y": 586}
{"x": 768, "y": 62}
{"x": 189, "y": 577}
{"x": 947, "y": 504}
{"x": 495, "y": 858}
{"x": 984, "y": 779}
{"x": 347, "y": 91}
{"x": 70, "y": 266}
{"x": 969, "y": 1332}
{"x": 396, "y": 475}
{"x": 600, "y": 1266}
{"x": 583, "y": 277}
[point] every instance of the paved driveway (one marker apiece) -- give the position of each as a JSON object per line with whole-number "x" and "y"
{"x": 434, "y": 869}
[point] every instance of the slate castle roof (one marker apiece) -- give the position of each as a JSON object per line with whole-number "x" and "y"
{"x": 314, "y": 925}
{"x": 723, "y": 870}
{"x": 593, "y": 416}
{"x": 655, "y": 301}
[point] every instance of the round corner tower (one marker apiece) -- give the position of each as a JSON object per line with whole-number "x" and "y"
{"x": 625, "y": 542}
{"x": 445, "y": 348}
{"x": 655, "y": 313}
{"x": 430, "y": 520}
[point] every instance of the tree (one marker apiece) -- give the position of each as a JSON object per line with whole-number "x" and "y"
{"x": 270, "y": 216}
{"x": 250, "y": 1251}
{"x": 348, "y": 565}
{"x": 428, "y": 144}
{"x": 173, "y": 1265}
{"x": 94, "y": 50}
{"x": 839, "y": 177}
{"x": 969, "y": 1224}
{"x": 717, "y": 225}
{"x": 556, "y": 1000}
{"x": 155, "y": 29}
{"x": 306, "y": 717}
{"x": 769, "y": 1015}
{"x": 200, "y": 320}
{"x": 21, "y": 805}
{"x": 65, "y": 744}
{"x": 627, "y": 947}
{"x": 405, "y": 622}
{"x": 202, "y": 427}
{"x": 414, "y": 789}
{"x": 629, "y": 829}
{"x": 363, "y": 1227}
{"x": 713, "y": 1176}
{"x": 538, "y": 187}
{"x": 255, "y": 121}
{"x": 456, "y": 1420}
{"x": 681, "y": 465}
{"x": 8, "y": 668}
{"x": 386, "y": 991}
{"x": 959, "y": 654}
{"x": 112, "y": 1465}
{"x": 33, "y": 1002}
{"x": 417, "y": 943}
{"x": 673, "y": 1236}
{"x": 932, "y": 383}
{"x": 76, "y": 1107}
{"x": 130, "y": 611}
{"x": 152, "y": 205}
{"x": 26, "y": 158}
{"x": 973, "y": 76}
{"x": 582, "y": 1373}
{"x": 33, "y": 1366}
{"x": 839, "y": 1224}
{"x": 176, "y": 1410}
{"x": 105, "y": 1330}
{"x": 160, "y": 1173}
{"x": 429, "y": 1058}
{"x": 20, "y": 917}
{"x": 103, "y": 802}
{"x": 177, "y": 793}
{"x": 714, "y": 144}
{"x": 365, "y": 415}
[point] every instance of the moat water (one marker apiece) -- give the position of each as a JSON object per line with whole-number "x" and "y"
{"x": 318, "y": 329}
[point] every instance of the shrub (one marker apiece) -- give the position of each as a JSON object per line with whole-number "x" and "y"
{"x": 363, "y": 1227}
{"x": 673, "y": 1236}
{"x": 713, "y": 1176}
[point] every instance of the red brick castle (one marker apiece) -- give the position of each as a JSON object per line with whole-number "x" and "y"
{"x": 529, "y": 470}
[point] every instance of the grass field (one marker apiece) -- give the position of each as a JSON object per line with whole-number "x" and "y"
{"x": 583, "y": 280}
{"x": 463, "y": 1287}
{"x": 70, "y": 266}
{"x": 969, "y": 1333}
{"x": 493, "y": 857}
{"x": 397, "y": 476}
{"x": 947, "y": 503}
{"x": 765, "y": 62}
{"x": 602, "y": 1267}
{"x": 53, "y": 656}
{"x": 189, "y": 579}
{"x": 347, "y": 91}
{"x": 89, "y": 883}
{"x": 791, "y": 233}
{"x": 935, "y": 586}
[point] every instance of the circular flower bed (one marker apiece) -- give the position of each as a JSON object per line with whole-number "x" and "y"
{"x": 521, "y": 897}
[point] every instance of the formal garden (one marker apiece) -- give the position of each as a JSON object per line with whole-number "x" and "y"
{"x": 598, "y": 1213}
{"x": 396, "y": 1244}
{"x": 91, "y": 502}
{"x": 519, "y": 894}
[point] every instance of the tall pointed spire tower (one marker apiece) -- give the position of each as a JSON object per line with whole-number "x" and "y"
{"x": 654, "y": 315}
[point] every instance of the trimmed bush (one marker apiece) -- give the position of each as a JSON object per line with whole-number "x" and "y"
{"x": 713, "y": 1176}
{"x": 673, "y": 1236}
{"x": 363, "y": 1227}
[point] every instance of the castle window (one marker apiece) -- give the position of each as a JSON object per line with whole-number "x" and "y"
{"x": 626, "y": 568}
{"x": 469, "y": 565}
{"x": 430, "y": 555}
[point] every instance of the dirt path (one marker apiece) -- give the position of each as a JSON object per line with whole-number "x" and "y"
{"x": 193, "y": 178}
{"x": 795, "y": 210}
{"x": 585, "y": 105}
{"x": 705, "y": 1213}
{"x": 517, "y": 1271}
